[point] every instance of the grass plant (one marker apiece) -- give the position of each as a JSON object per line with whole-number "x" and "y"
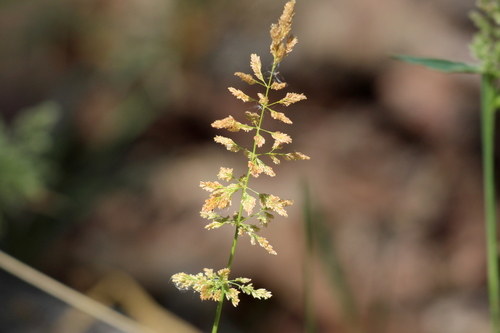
{"x": 486, "y": 48}
{"x": 218, "y": 286}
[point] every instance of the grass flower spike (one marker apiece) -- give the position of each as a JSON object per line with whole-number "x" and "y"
{"x": 255, "y": 210}
{"x": 485, "y": 46}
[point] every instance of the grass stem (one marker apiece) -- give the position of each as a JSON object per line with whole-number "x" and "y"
{"x": 488, "y": 98}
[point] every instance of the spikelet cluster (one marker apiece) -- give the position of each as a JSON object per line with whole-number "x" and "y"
{"x": 253, "y": 205}
{"x": 212, "y": 286}
{"x": 485, "y": 45}
{"x": 282, "y": 41}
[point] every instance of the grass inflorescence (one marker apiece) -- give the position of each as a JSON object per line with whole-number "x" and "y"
{"x": 255, "y": 210}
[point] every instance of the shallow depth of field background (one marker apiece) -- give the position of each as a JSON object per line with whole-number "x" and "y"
{"x": 395, "y": 157}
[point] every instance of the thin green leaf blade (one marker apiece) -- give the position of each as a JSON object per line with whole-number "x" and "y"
{"x": 319, "y": 236}
{"x": 442, "y": 65}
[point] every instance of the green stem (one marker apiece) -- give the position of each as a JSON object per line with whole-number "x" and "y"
{"x": 488, "y": 97}
{"x": 215, "y": 327}
{"x": 218, "y": 312}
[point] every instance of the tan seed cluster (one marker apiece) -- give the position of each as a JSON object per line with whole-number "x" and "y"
{"x": 282, "y": 42}
{"x": 252, "y": 205}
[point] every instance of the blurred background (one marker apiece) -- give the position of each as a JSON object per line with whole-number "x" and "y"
{"x": 105, "y": 135}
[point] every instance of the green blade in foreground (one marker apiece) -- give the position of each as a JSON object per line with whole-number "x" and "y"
{"x": 441, "y": 64}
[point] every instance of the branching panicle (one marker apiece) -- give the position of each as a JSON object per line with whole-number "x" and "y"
{"x": 256, "y": 205}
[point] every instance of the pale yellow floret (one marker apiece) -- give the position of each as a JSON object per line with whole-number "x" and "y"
{"x": 256, "y": 66}
{"x": 265, "y": 244}
{"x": 295, "y": 156}
{"x": 281, "y": 117}
{"x": 259, "y": 140}
{"x": 228, "y": 143}
{"x": 262, "y": 99}
{"x": 278, "y": 85}
{"x": 246, "y": 77}
{"x": 291, "y": 98}
{"x": 280, "y": 139}
{"x": 225, "y": 174}
{"x": 239, "y": 94}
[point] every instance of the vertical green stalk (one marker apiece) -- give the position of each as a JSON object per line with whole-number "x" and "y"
{"x": 215, "y": 327}
{"x": 488, "y": 98}
{"x": 218, "y": 312}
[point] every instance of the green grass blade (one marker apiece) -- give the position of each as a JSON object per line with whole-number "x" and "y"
{"x": 322, "y": 240}
{"x": 309, "y": 313}
{"x": 442, "y": 65}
